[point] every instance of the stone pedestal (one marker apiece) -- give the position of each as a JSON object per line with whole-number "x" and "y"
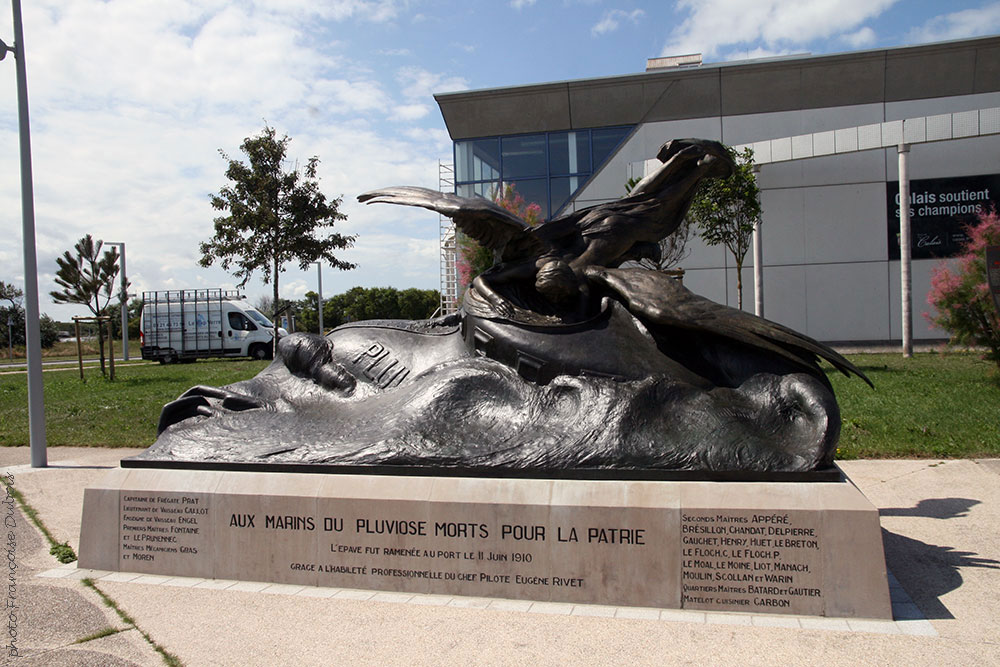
{"x": 784, "y": 547}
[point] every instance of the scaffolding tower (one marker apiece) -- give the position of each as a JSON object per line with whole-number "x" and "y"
{"x": 449, "y": 272}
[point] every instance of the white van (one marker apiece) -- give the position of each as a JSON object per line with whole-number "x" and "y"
{"x": 184, "y": 325}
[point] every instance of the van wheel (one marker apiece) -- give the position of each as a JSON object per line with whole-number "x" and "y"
{"x": 260, "y": 352}
{"x": 170, "y": 358}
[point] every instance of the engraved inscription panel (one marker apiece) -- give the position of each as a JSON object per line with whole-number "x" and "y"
{"x": 754, "y": 561}
{"x": 165, "y": 532}
{"x": 701, "y": 546}
{"x": 513, "y": 551}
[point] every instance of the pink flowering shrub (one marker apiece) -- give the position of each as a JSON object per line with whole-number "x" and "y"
{"x": 473, "y": 259}
{"x": 960, "y": 295}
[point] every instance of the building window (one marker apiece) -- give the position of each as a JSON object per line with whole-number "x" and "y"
{"x": 477, "y": 160}
{"x": 546, "y": 169}
{"x": 523, "y": 156}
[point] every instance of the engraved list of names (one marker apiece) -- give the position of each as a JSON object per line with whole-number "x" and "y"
{"x": 751, "y": 561}
{"x": 162, "y": 529}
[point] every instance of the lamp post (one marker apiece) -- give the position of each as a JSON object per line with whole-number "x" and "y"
{"x": 758, "y": 263}
{"x": 319, "y": 279}
{"x": 32, "y": 329}
{"x": 123, "y": 297}
{"x": 905, "y": 255}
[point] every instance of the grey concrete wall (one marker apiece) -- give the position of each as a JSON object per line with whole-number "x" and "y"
{"x": 881, "y": 76}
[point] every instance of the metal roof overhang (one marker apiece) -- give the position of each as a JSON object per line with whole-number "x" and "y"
{"x": 962, "y": 67}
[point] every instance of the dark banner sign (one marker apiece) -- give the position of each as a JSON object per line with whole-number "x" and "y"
{"x": 939, "y": 210}
{"x": 993, "y": 273}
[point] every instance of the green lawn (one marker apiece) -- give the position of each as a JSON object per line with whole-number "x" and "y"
{"x": 99, "y": 413}
{"x": 66, "y": 351}
{"x": 933, "y": 405}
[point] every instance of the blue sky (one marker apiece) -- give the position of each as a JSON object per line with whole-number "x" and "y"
{"x": 132, "y": 99}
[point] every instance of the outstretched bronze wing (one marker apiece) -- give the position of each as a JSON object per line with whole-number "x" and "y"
{"x": 492, "y": 226}
{"x": 660, "y": 299}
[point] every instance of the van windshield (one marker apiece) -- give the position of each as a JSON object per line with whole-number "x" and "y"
{"x": 259, "y": 318}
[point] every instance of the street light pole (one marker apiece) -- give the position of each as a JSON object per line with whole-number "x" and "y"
{"x": 32, "y": 329}
{"x": 123, "y": 297}
{"x": 758, "y": 263}
{"x": 905, "y": 254}
{"x": 319, "y": 279}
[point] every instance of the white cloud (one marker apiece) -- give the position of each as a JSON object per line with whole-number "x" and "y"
{"x": 612, "y": 20}
{"x": 958, "y": 25}
{"x": 409, "y": 112}
{"x": 348, "y": 97}
{"x": 131, "y": 102}
{"x": 716, "y": 27}
{"x": 756, "y": 53}
{"x": 376, "y": 11}
{"x": 521, "y": 4}
{"x": 419, "y": 83}
{"x": 860, "y": 38}
{"x": 296, "y": 289}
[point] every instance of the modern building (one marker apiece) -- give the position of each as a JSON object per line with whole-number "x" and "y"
{"x": 830, "y": 224}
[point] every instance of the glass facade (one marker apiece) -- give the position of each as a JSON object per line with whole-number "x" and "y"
{"x": 546, "y": 169}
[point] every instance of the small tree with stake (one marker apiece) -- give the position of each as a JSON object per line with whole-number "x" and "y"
{"x": 726, "y": 210}
{"x": 11, "y": 317}
{"x": 87, "y": 278}
{"x": 272, "y": 215}
{"x": 11, "y": 293}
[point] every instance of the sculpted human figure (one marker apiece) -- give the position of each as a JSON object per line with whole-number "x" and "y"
{"x": 559, "y": 359}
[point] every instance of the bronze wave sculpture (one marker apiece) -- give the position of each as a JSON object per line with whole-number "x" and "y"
{"x": 560, "y": 359}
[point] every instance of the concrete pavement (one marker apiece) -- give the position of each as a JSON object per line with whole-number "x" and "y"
{"x": 939, "y": 522}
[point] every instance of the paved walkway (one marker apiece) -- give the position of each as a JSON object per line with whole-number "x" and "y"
{"x": 939, "y": 522}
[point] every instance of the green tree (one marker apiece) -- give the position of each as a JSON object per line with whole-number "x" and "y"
{"x": 726, "y": 210}
{"x": 11, "y": 293}
{"x": 13, "y": 336}
{"x": 418, "y": 304}
{"x": 372, "y": 303}
{"x": 87, "y": 279}
{"x": 114, "y": 311}
{"x": 48, "y": 331}
{"x": 307, "y": 319}
{"x": 12, "y": 333}
{"x": 272, "y": 215}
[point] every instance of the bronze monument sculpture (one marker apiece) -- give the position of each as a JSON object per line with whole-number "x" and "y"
{"x": 559, "y": 360}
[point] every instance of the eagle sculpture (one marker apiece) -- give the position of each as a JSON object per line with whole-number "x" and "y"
{"x": 556, "y": 272}
{"x": 561, "y": 358}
